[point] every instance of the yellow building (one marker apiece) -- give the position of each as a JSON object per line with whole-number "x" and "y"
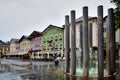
{"x": 14, "y": 46}
{"x": 4, "y": 48}
{"x": 24, "y": 44}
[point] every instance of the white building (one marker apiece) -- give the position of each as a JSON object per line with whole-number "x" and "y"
{"x": 93, "y": 21}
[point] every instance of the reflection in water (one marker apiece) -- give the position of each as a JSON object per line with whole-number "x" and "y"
{"x": 31, "y": 72}
{"x": 66, "y": 77}
{"x": 72, "y": 77}
{"x": 41, "y": 72}
{"x": 52, "y": 73}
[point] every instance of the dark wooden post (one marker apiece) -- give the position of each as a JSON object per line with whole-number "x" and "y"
{"x": 90, "y": 35}
{"x": 111, "y": 42}
{"x": 85, "y": 43}
{"x": 100, "y": 43}
{"x": 81, "y": 44}
{"x": 73, "y": 43}
{"x": 67, "y": 46}
{"x": 91, "y": 55}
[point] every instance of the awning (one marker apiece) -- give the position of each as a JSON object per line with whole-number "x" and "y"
{"x": 50, "y": 52}
{"x": 19, "y": 53}
{"x": 34, "y": 50}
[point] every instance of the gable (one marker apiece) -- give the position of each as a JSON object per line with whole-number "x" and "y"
{"x": 52, "y": 30}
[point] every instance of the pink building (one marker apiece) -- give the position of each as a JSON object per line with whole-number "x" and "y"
{"x": 35, "y": 43}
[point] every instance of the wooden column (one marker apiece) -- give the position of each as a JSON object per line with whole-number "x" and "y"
{"x": 111, "y": 42}
{"x": 85, "y": 43}
{"x": 67, "y": 46}
{"x": 100, "y": 43}
{"x": 90, "y": 35}
{"x": 81, "y": 44}
{"x": 73, "y": 43}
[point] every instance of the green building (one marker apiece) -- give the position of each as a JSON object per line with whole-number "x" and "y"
{"x": 52, "y": 41}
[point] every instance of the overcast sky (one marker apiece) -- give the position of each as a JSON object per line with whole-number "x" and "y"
{"x": 21, "y": 17}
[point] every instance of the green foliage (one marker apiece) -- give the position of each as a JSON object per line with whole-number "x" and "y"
{"x": 117, "y": 13}
{"x": 117, "y": 2}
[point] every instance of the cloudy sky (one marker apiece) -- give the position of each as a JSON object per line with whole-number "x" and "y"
{"x": 21, "y": 17}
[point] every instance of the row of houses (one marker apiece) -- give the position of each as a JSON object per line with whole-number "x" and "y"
{"x": 46, "y": 44}
{"x": 50, "y": 42}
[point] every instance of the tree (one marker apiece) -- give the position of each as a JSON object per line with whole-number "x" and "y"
{"x": 117, "y": 13}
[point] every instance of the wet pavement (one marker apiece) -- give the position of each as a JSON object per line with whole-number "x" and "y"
{"x": 19, "y": 70}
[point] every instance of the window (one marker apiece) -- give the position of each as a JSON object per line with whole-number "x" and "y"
{"x": 60, "y": 46}
{"x": 56, "y": 37}
{"x": 56, "y": 47}
{"x": 44, "y": 40}
{"x": 48, "y": 48}
{"x": 45, "y": 48}
{"x": 51, "y": 37}
{"x": 48, "y": 38}
{"x": 60, "y": 36}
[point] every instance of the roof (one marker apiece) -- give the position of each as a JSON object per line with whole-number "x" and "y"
{"x": 80, "y": 19}
{"x": 51, "y": 26}
{"x": 3, "y": 43}
{"x": 24, "y": 37}
{"x": 14, "y": 40}
{"x": 34, "y": 33}
{"x": 105, "y": 18}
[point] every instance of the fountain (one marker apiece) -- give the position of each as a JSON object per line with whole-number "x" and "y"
{"x": 79, "y": 61}
{"x": 84, "y": 61}
{"x": 93, "y": 67}
{"x": 93, "y": 62}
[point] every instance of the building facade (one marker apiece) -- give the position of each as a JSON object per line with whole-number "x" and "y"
{"x": 24, "y": 44}
{"x": 118, "y": 40}
{"x": 117, "y": 36}
{"x": 35, "y": 44}
{"x": 4, "y": 48}
{"x": 14, "y": 46}
{"x": 53, "y": 40}
{"x": 93, "y": 22}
